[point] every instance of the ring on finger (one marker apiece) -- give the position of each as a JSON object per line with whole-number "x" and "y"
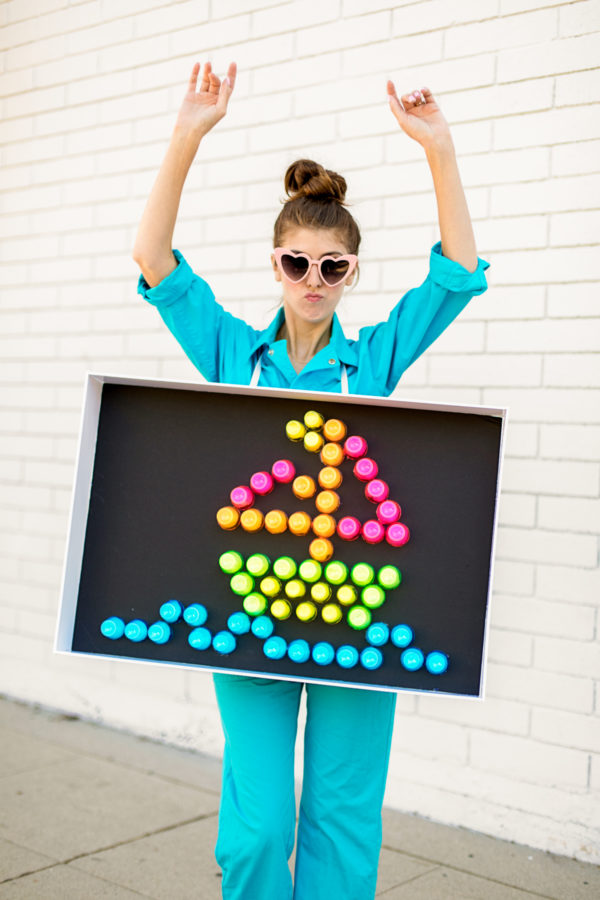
{"x": 421, "y": 98}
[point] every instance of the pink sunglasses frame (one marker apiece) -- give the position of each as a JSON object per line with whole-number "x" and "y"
{"x": 350, "y": 257}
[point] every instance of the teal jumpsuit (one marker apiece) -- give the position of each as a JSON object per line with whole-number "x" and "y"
{"x": 348, "y": 731}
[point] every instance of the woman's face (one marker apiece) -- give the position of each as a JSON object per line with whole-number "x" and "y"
{"x": 311, "y": 300}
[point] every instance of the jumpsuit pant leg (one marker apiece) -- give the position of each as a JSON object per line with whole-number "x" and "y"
{"x": 346, "y": 754}
{"x": 257, "y": 816}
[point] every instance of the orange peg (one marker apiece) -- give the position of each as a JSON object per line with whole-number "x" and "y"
{"x": 323, "y": 526}
{"x": 332, "y": 454}
{"x": 321, "y": 549}
{"x": 299, "y": 523}
{"x": 334, "y": 430}
{"x": 228, "y": 518}
{"x": 330, "y": 478}
{"x": 304, "y": 487}
{"x": 251, "y": 520}
{"x": 276, "y": 521}
{"x": 327, "y": 501}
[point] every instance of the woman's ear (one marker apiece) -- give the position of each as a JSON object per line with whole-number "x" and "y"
{"x": 275, "y": 268}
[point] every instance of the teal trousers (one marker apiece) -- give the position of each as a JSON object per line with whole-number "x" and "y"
{"x": 346, "y": 753}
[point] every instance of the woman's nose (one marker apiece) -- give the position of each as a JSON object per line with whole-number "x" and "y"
{"x": 314, "y": 276}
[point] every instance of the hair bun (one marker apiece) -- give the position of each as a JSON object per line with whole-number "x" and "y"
{"x": 306, "y": 178}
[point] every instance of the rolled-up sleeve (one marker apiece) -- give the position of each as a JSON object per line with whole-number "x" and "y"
{"x": 207, "y": 333}
{"x": 419, "y": 318}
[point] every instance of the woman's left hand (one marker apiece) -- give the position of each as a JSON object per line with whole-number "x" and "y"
{"x": 422, "y": 121}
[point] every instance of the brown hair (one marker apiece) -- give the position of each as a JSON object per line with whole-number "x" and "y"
{"x": 316, "y": 200}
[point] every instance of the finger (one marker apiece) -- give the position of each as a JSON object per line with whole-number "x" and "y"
{"x": 204, "y": 84}
{"x": 224, "y": 95}
{"x": 215, "y": 83}
{"x": 194, "y": 78}
{"x": 231, "y": 74}
{"x": 395, "y": 102}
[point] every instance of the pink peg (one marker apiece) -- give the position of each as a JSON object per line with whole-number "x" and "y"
{"x": 377, "y": 490}
{"x": 355, "y": 447}
{"x": 242, "y": 497}
{"x": 366, "y": 469}
{"x": 261, "y": 483}
{"x": 348, "y": 528}
{"x": 373, "y": 531}
{"x": 389, "y": 512}
{"x": 397, "y": 534}
{"x": 283, "y": 471}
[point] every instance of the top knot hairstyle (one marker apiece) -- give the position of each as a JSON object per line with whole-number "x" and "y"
{"x": 316, "y": 200}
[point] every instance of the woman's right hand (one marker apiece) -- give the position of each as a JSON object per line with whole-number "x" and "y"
{"x": 202, "y": 109}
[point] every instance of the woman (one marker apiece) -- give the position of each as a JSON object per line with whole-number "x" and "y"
{"x": 348, "y": 731}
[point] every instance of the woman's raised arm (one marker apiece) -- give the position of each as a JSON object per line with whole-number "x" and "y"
{"x": 420, "y": 117}
{"x": 199, "y": 112}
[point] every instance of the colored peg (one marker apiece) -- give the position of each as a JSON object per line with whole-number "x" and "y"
{"x": 262, "y": 627}
{"x": 355, "y": 447}
{"x": 258, "y": 564}
{"x": 412, "y": 659}
{"x": 136, "y": 631}
{"x": 388, "y": 512}
{"x": 332, "y": 454}
{"x": 171, "y": 611}
{"x": 254, "y": 604}
{"x": 377, "y": 490}
{"x": 348, "y": 528}
{"x": 359, "y": 617}
{"x": 366, "y": 469}
{"x": 323, "y": 525}
{"x": 295, "y": 430}
{"x": 310, "y": 570}
{"x": 113, "y": 628}
{"x": 323, "y": 653}
{"x": 242, "y": 497}
{"x": 195, "y": 614}
{"x": 347, "y": 656}
{"x": 228, "y": 518}
{"x": 299, "y": 651}
{"x": 397, "y": 534}
{"x": 330, "y": 478}
{"x": 304, "y": 487}
{"x": 371, "y": 658}
{"x": 436, "y": 662}
{"x": 401, "y": 635}
{"x": 313, "y": 441}
{"x": 230, "y": 562}
{"x": 224, "y": 642}
{"x": 261, "y": 483}
{"x": 299, "y": 523}
{"x": 389, "y": 577}
{"x": 313, "y": 420}
{"x": 334, "y": 430}
{"x": 200, "y": 638}
{"x": 321, "y": 549}
{"x": 373, "y": 531}
{"x": 275, "y": 647}
{"x": 252, "y": 520}
{"x": 283, "y": 471}
{"x": 276, "y": 521}
{"x": 238, "y": 623}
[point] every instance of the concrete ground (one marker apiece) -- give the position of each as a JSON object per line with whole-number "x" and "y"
{"x": 88, "y": 812}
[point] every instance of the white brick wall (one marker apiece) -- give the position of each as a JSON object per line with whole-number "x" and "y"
{"x": 89, "y": 92}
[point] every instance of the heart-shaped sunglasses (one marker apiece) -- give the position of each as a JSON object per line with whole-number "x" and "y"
{"x": 332, "y": 269}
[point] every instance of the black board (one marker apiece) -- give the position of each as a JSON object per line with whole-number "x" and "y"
{"x": 166, "y": 460}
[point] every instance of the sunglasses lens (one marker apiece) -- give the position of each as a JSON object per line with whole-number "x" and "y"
{"x": 294, "y": 267}
{"x": 334, "y": 270}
